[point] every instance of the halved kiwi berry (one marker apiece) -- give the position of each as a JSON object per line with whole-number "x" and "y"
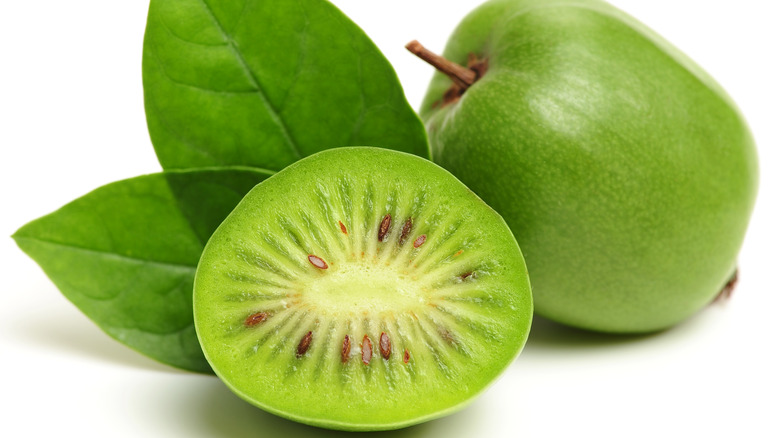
{"x": 361, "y": 289}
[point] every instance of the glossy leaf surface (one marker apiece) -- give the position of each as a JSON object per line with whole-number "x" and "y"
{"x": 264, "y": 83}
{"x": 125, "y": 254}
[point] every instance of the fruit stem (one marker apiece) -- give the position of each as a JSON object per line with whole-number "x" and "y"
{"x": 462, "y": 76}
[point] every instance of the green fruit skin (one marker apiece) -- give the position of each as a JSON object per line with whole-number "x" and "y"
{"x": 626, "y": 173}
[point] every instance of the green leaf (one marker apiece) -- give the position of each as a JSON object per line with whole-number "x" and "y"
{"x": 125, "y": 254}
{"x": 264, "y": 83}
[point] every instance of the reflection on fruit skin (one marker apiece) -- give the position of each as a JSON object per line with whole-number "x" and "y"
{"x": 626, "y": 173}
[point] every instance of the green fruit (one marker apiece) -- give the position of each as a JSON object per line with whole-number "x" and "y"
{"x": 626, "y": 173}
{"x": 361, "y": 289}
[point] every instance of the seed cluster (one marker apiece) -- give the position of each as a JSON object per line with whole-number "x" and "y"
{"x": 385, "y": 345}
{"x": 384, "y": 229}
{"x": 366, "y": 346}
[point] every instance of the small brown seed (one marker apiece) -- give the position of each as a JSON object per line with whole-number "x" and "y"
{"x": 446, "y": 335}
{"x": 419, "y": 241}
{"x": 345, "y": 347}
{"x": 367, "y": 352}
{"x": 384, "y": 227}
{"x": 303, "y": 346}
{"x": 406, "y": 356}
{"x": 255, "y": 318}
{"x": 385, "y": 348}
{"x": 343, "y": 228}
{"x": 405, "y": 231}
{"x": 465, "y": 275}
{"x": 317, "y": 262}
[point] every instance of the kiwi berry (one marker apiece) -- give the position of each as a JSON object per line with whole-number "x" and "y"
{"x": 361, "y": 289}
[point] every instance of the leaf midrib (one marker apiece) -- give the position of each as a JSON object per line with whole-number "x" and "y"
{"x": 272, "y": 111}
{"x": 181, "y": 266}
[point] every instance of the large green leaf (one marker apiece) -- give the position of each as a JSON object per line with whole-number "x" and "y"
{"x": 125, "y": 254}
{"x": 265, "y": 82}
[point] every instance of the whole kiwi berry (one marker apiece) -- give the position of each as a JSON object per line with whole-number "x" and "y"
{"x": 626, "y": 173}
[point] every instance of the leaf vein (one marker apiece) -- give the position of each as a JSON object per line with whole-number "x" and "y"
{"x": 273, "y": 112}
{"x": 180, "y": 266}
{"x": 184, "y": 40}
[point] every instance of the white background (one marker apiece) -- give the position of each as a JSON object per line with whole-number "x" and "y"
{"x": 72, "y": 119}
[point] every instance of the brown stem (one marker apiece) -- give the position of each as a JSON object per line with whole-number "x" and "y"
{"x": 462, "y": 76}
{"x": 728, "y": 289}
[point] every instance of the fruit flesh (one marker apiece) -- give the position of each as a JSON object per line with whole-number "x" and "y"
{"x": 633, "y": 174}
{"x": 361, "y": 289}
